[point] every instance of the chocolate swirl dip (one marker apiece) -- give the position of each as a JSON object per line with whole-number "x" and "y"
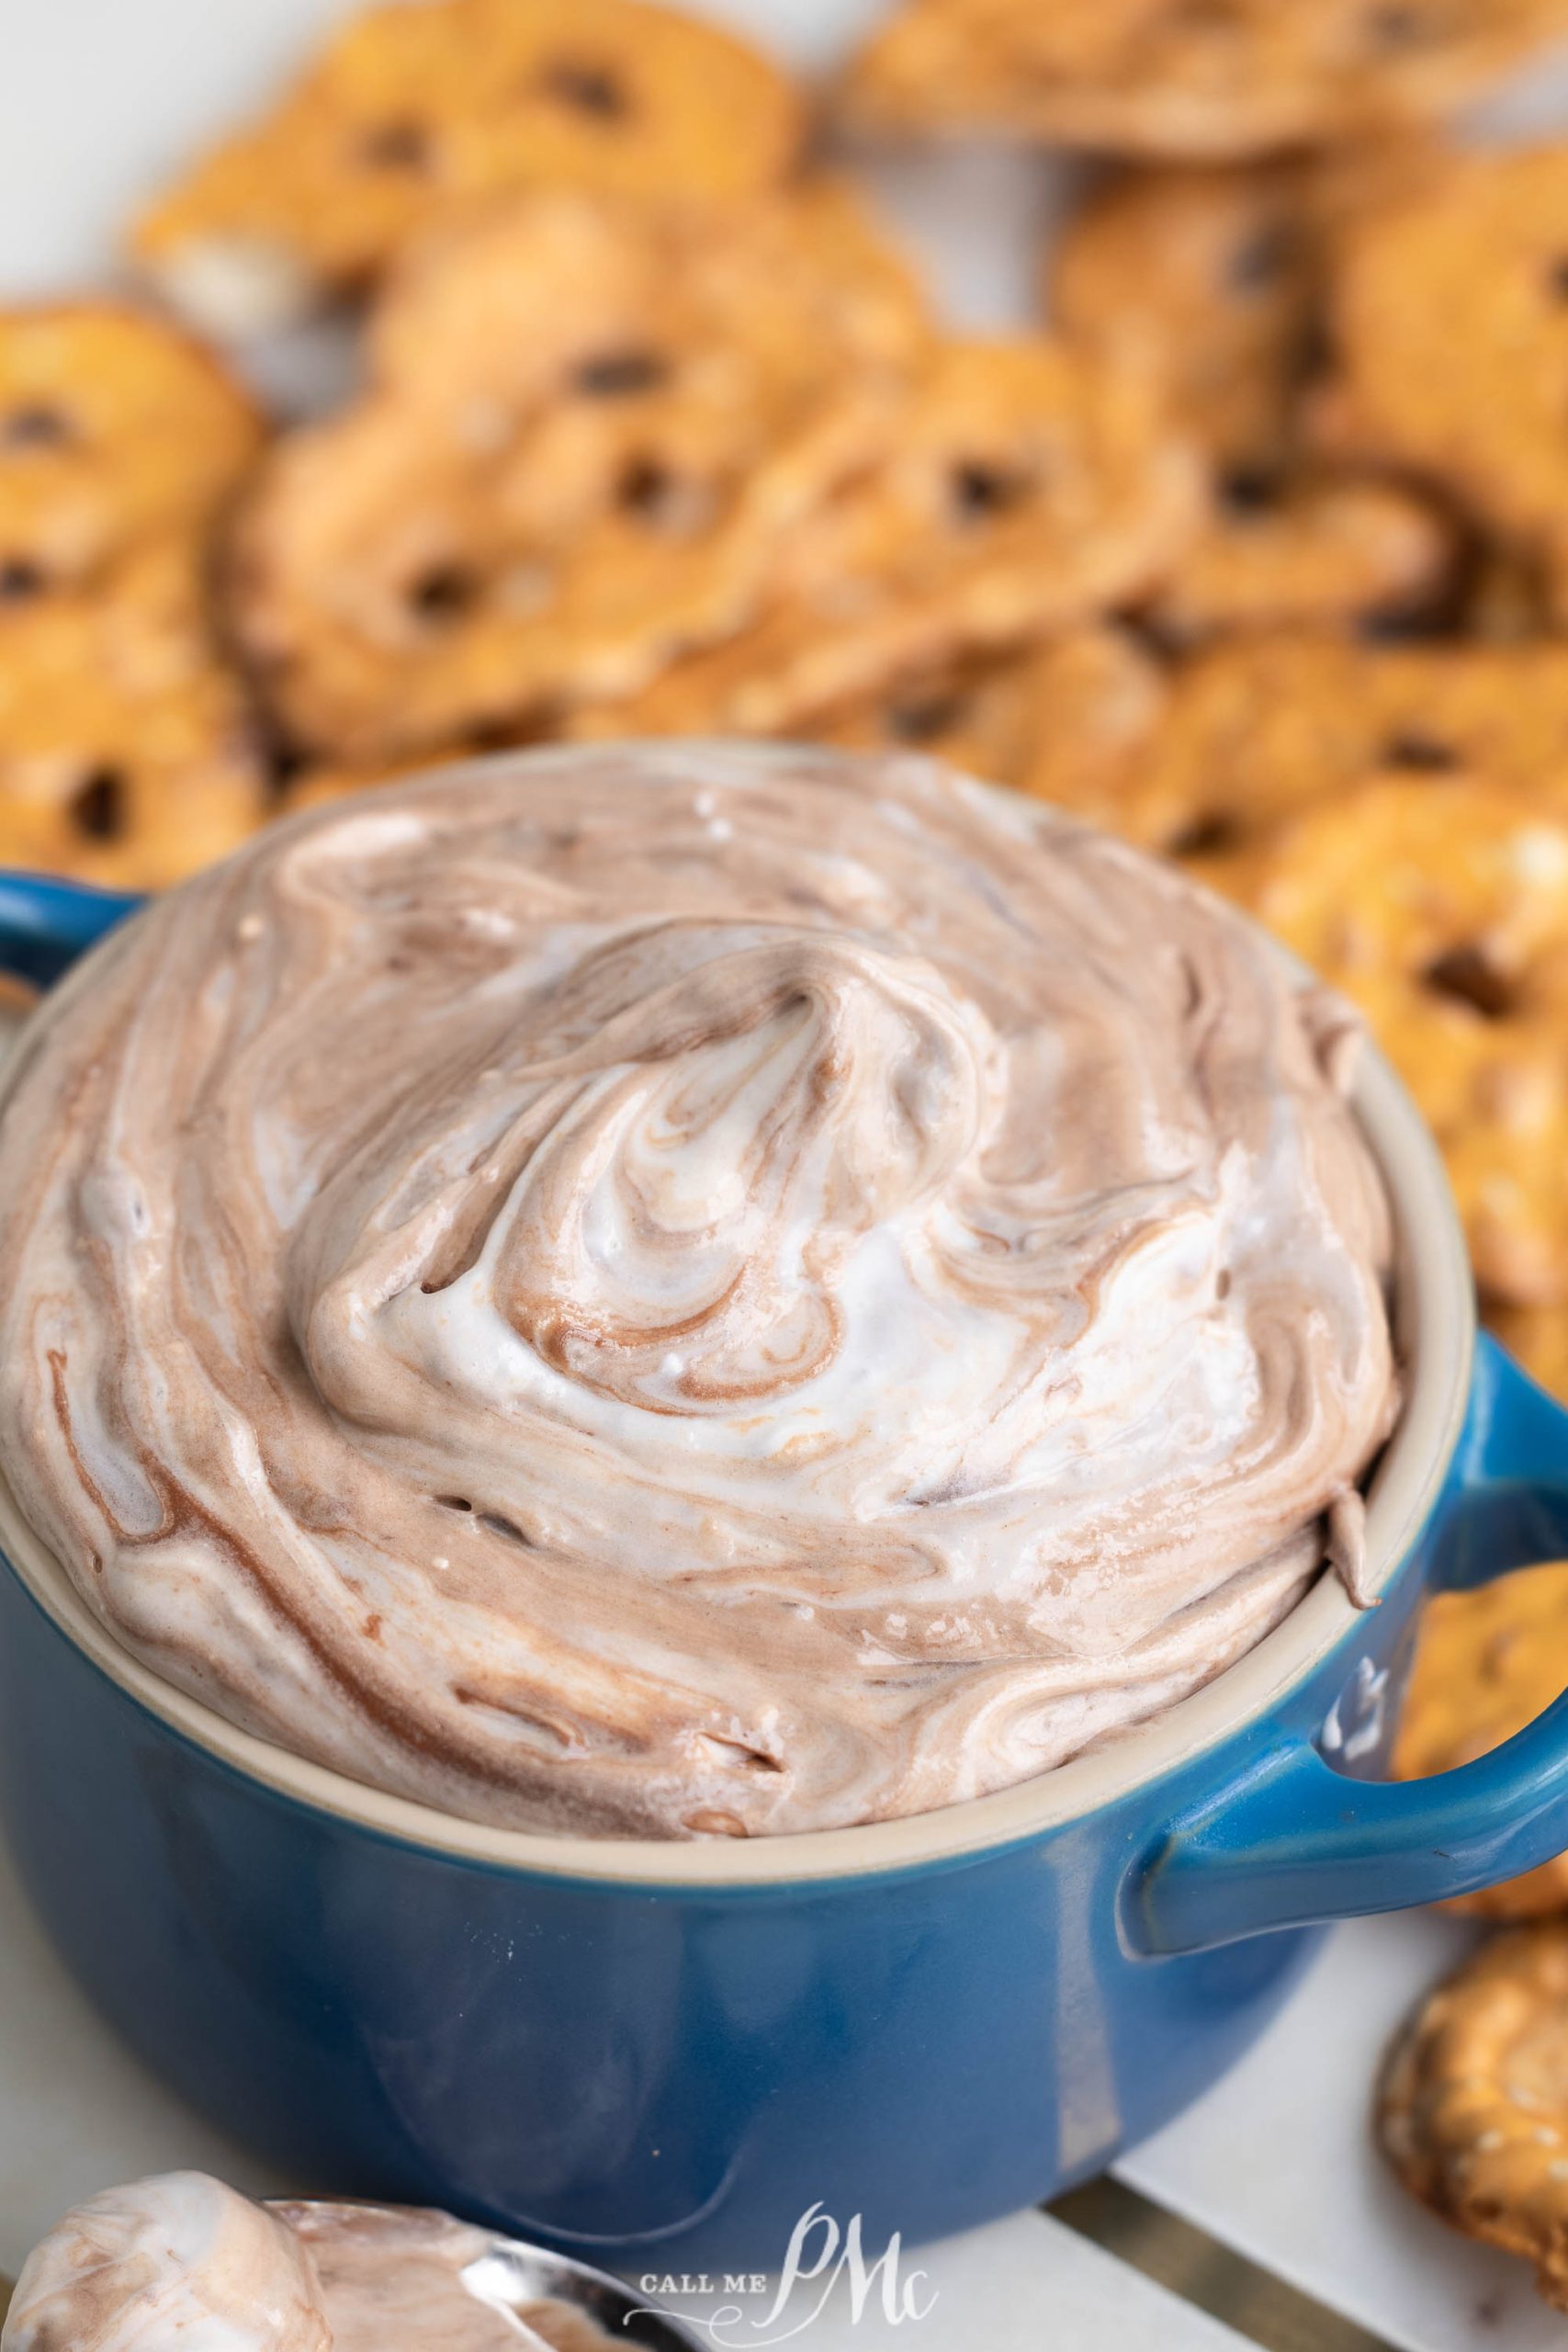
{"x": 181, "y": 2260}
{"x": 682, "y": 1292}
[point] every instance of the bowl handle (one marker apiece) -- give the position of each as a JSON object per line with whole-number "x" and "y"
{"x": 45, "y": 922}
{"x": 1290, "y": 1840}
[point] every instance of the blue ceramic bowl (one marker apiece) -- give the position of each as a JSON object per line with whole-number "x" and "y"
{"x": 662, "y": 2055}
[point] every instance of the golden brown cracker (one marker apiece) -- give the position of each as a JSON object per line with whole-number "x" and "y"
{"x": 1063, "y": 720}
{"x": 1210, "y": 280}
{"x": 126, "y": 751}
{"x": 1472, "y": 2103}
{"x": 1440, "y": 907}
{"x": 1487, "y": 1663}
{"x": 1262, "y": 727}
{"x": 589, "y": 427}
{"x": 1450, "y": 321}
{"x": 429, "y": 103}
{"x": 1165, "y": 78}
{"x": 117, "y": 431}
{"x": 1021, "y": 488}
{"x": 1308, "y": 550}
{"x": 1213, "y": 283}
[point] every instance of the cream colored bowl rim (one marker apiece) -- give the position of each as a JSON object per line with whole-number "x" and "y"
{"x": 1437, "y": 1336}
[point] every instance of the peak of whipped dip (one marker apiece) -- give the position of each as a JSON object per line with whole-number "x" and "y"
{"x": 673, "y": 1291}
{"x": 181, "y": 2263}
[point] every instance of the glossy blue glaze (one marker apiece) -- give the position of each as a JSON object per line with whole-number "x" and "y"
{"x": 668, "y": 2076}
{"x": 45, "y": 924}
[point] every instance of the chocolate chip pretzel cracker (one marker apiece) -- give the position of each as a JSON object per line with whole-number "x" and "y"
{"x": 414, "y": 108}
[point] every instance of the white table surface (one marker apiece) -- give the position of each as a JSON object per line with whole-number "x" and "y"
{"x": 97, "y": 97}
{"x": 1278, "y": 2162}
